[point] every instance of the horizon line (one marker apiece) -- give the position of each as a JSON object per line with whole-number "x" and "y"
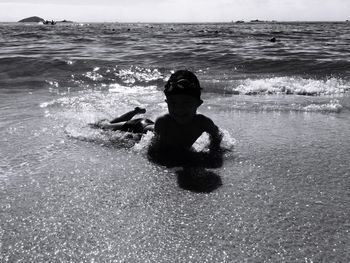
{"x": 188, "y": 22}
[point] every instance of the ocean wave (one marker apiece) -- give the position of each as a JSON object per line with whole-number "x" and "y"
{"x": 104, "y": 76}
{"x": 134, "y": 74}
{"x": 332, "y": 106}
{"x": 116, "y": 99}
{"x": 278, "y": 103}
{"x": 290, "y": 85}
{"x": 138, "y": 90}
{"x": 224, "y": 83}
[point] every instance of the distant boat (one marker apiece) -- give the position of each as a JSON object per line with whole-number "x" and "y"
{"x": 239, "y": 22}
{"x": 46, "y": 22}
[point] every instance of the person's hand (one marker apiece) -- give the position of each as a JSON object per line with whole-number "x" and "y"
{"x": 139, "y": 110}
{"x": 100, "y": 124}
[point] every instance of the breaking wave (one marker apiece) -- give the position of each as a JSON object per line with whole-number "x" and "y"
{"x": 290, "y": 85}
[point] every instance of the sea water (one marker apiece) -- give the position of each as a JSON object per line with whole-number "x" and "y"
{"x": 70, "y": 193}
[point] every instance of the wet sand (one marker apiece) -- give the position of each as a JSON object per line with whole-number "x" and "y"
{"x": 284, "y": 196}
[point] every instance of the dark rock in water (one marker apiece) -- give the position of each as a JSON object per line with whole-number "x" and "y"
{"x": 33, "y": 19}
{"x": 65, "y": 21}
{"x": 273, "y": 39}
{"x": 256, "y": 21}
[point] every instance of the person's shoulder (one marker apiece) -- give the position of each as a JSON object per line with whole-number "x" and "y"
{"x": 161, "y": 122}
{"x": 162, "y": 119}
{"x": 203, "y": 119}
{"x": 206, "y": 123}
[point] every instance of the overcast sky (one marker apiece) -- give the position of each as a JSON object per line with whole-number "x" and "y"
{"x": 176, "y": 10}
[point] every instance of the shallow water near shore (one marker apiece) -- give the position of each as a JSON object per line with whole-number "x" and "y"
{"x": 73, "y": 193}
{"x": 78, "y": 196}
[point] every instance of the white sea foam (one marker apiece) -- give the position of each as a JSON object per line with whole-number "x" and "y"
{"x": 332, "y": 106}
{"x": 202, "y": 143}
{"x": 143, "y": 144}
{"x": 116, "y": 100}
{"x": 140, "y": 90}
{"x": 292, "y": 85}
{"x": 109, "y": 138}
{"x": 93, "y": 75}
{"x": 133, "y": 74}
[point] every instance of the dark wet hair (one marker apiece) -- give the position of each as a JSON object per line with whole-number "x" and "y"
{"x": 183, "y": 82}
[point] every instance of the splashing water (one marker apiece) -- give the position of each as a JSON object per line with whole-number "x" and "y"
{"x": 292, "y": 85}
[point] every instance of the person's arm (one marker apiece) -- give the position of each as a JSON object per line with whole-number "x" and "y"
{"x": 128, "y": 115}
{"x": 106, "y": 125}
{"x": 112, "y": 126}
{"x": 156, "y": 150}
{"x": 215, "y": 154}
{"x": 149, "y": 127}
{"x": 215, "y": 141}
{"x": 155, "y": 143}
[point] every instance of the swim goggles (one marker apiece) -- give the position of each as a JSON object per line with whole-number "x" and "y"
{"x": 181, "y": 84}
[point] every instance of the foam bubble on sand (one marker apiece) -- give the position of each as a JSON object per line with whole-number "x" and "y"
{"x": 292, "y": 85}
{"x": 228, "y": 142}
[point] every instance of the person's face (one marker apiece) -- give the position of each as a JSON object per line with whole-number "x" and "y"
{"x": 182, "y": 108}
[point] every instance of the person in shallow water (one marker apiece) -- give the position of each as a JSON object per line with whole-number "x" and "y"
{"x": 126, "y": 123}
{"x": 176, "y": 131}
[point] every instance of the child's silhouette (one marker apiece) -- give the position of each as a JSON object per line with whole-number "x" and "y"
{"x": 176, "y": 131}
